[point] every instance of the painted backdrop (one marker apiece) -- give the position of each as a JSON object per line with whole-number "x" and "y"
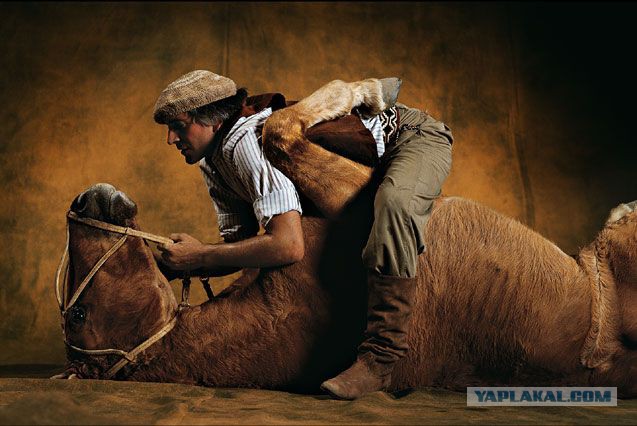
{"x": 540, "y": 98}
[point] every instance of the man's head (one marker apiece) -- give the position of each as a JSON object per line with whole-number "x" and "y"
{"x": 194, "y": 106}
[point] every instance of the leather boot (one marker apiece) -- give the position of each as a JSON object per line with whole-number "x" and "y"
{"x": 388, "y": 313}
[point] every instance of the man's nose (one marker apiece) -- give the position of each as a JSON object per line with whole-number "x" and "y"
{"x": 172, "y": 137}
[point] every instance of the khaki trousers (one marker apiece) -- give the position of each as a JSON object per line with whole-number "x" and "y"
{"x": 414, "y": 169}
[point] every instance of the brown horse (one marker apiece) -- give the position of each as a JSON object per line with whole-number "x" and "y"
{"x": 496, "y": 304}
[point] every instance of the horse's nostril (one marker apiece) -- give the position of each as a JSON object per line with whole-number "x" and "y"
{"x": 122, "y": 208}
{"x": 79, "y": 204}
{"x": 89, "y": 204}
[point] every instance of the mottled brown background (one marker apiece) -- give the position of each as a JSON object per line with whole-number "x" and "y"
{"x": 540, "y": 99}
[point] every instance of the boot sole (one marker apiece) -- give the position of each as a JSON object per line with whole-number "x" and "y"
{"x": 334, "y": 395}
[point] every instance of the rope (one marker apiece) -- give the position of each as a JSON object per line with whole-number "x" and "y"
{"x": 205, "y": 281}
{"x": 98, "y": 352}
{"x": 63, "y": 265}
{"x": 94, "y": 270}
{"x": 185, "y": 291}
{"x": 130, "y": 356}
{"x": 60, "y": 288}
{"x": 64, "y": 261}
{"x": 119, "y": 229}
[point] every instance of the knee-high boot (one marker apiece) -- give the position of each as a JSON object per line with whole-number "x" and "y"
{"x": 388, "y": 314}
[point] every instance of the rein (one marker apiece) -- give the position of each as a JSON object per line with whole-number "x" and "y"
{"x": 60, "y": 287}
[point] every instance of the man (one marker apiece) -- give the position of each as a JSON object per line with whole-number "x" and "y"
{"x": 211, "y": 124}
{"x": 246, "y": 189}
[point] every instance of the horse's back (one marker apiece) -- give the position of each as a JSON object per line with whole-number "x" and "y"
{"x": 486, "y": 289}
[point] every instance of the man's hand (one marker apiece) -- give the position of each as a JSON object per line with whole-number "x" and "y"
{"x": 281, "y": 244}
{"x": 184, "y": 255}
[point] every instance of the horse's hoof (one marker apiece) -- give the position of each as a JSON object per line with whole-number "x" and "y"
{"x": 391, "y": 88}
{"x": 58, "y": 376}
{"x": 65, "y": 376}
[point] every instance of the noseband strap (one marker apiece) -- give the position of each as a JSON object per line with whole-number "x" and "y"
{"x": 118, "y": 229}
{"x": 130, "y": 356}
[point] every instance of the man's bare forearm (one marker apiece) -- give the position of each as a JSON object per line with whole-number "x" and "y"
{"x": 281, "y": 244}
{"x": 257, "y": 252}
{"x": 172, "y": 274}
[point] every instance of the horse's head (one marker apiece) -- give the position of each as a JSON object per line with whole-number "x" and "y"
{"x": 127, "y": 300}
{"x": 620, "y": 234}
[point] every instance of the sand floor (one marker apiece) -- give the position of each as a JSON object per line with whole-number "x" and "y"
{"x": 26, "y": 397}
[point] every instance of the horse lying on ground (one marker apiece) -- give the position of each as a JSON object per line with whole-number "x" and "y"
{"x": 496, "y": 303}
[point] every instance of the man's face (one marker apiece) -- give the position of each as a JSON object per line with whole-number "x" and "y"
{"x": 191, "y": 138}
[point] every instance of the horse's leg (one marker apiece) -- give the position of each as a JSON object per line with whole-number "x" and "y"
{"x": 71, "y": 372}
{"x": 337, "y": 98}
{"x": 66, "y": 375}
{"x": 328, "y": 179}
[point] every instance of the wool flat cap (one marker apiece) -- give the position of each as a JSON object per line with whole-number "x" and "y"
{"x": 190, "y": 91}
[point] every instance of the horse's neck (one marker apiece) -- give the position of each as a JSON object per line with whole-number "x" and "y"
{"x": 211, "y": 343}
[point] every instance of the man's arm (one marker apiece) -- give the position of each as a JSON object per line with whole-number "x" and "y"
{"x": 281, "y": 244}
{"x": 172, "y": 274}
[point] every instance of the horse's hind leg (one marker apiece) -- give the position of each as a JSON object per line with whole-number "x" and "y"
{"x": 324, "y": 177}
{"x": 337, "y": 98}
{"x": 327, "y": 179}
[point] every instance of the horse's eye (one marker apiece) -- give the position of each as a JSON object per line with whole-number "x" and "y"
{"x": 77, "y": 315}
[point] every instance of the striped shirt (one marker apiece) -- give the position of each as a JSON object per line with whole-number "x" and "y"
{"x": 246, "y": 190}
{"x": 375, "y": 126}
{"x": 384, "y": 128}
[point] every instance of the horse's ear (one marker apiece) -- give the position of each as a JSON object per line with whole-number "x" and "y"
{"x": 620, "y": 211}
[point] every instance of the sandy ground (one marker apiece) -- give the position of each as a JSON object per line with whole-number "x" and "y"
{"x": 28, "y": 398}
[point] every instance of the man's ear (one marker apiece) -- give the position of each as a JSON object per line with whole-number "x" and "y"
{"x": 217, "y": 126}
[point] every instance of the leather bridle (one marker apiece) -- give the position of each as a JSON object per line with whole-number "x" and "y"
{"x": 127, "y": 356}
